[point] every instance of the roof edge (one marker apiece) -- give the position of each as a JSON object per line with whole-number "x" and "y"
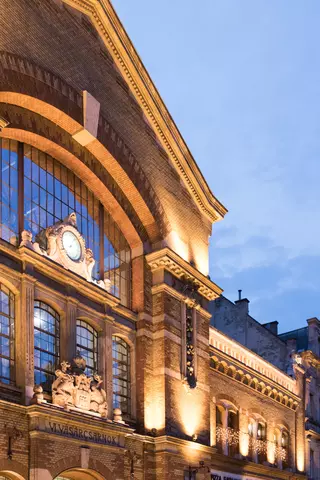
{"x": 113, "y": 34}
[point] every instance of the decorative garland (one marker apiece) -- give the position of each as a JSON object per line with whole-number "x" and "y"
{"x": 232, "y": 437}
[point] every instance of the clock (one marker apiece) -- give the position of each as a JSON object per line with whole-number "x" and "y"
{"x": 71, "y": 245}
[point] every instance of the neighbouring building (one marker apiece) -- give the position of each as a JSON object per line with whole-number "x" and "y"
{"x": 304, "y": 343}
{"x": 301, "y": 346}
{"x": 109, "y": 369}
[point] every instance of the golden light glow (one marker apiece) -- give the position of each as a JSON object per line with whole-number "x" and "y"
{"x": 178, "y": 245}
{"x": 244, "y": 444}
{"x": 300, "y": 459}
{"x": 154, "y": 410}
{"x": 190, "y": 409}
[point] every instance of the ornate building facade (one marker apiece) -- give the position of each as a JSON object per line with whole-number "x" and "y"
{"x": 301, "y": 346}
{"x": 108, "y": 366}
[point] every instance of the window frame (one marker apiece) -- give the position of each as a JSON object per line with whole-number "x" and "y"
{"x": 10, "y": 336}
{"x": 83, "y": 324}
{"x": 127, "y": 381}
{"x": 45, "y": 307}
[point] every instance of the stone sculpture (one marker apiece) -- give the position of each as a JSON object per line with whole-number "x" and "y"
{"x": 74, "y": 389}
{"x": 49, "y": 243}
{"x": 98, "y": 397}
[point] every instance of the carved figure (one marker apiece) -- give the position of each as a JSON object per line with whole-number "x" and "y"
{"x": 38, "y": 396}
{"x": 82, "y": 382}
{"x": 73, "y": 388}
{"x": 117, "y": 415}
{"x": 26, "y": 239}
{"x": 90, "y": 261}
{"x": 63, "y": 386}
{"x": 98, "y": 398}
{"x": 51, "y": 242}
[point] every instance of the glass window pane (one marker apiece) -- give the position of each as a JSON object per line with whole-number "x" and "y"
{"x": 121, "y": 375}
{"x": 46, "y": 344}
{"x": 87, "y": 345}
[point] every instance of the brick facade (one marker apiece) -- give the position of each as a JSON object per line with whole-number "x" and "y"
{"x": 72, "y": 85}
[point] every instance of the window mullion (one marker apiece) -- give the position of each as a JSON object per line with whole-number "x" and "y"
{"x": 20, "y": 189}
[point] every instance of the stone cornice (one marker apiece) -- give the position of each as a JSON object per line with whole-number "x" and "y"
{"x": 59, "y": 274}
{"x": 111, "y": 31}
{"x": 168, "y": 260}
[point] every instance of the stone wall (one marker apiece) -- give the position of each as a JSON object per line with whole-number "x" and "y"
{"x": 234, "y": 320}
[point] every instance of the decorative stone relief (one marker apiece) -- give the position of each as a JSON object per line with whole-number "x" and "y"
{"x": 74, "y": 390}
{"x": 190, "y": 350}
{"x": 64, "y": 244}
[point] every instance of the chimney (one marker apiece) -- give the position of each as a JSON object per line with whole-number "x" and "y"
{"x": 242, "y": 303}
{"x": 272, "y": 326}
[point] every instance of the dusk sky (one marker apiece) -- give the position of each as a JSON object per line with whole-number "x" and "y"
{"x": 241, "y": 79}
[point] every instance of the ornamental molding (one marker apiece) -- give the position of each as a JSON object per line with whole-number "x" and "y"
{"x": 111, "y": 31}
{"x": 57, "y": 273}
{"x": 50, "y": 242}
{"x": 223, "y": 365}
{"x": 166, "y": 259}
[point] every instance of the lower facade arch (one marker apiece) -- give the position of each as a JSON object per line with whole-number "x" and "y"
{"x": 10, "y": 475}
{"x": 79, "y": 474}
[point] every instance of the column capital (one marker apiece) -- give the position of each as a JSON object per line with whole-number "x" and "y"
{"x": 166, "y": 259}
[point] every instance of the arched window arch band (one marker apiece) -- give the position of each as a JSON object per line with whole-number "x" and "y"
{"x": 50, "y": 192}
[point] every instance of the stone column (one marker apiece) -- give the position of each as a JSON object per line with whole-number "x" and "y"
{"x": 24, "y": 338}
{"x": 243, "y": 433}
{"x": 68, "y": 334}
{"x": 105, "y": 346}
{"x": 213, "y": 422}
{"x": 308, "y": 406}
{"x": 300, "y": 418}
{"x": 255, "y": 436}
{"x": 225, "y": 446}
{"x": 271, "y": 444}
{"x": 279, "y": 444}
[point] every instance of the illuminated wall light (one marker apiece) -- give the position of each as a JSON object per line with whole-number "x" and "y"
{"x": 300, "y": 459}
{"x": 191, "y": 409}
{"x": 154, "y": 410}
{"x": 176, "y": 244}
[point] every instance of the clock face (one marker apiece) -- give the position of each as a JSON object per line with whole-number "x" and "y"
{"x": 71, "y": 245}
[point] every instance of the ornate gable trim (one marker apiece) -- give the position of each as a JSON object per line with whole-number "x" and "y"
{"x": 168, "y": 260}
{"x": 110, "y": 29}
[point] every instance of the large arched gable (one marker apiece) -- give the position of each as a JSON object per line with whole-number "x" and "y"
{"x": 25, "y": 84}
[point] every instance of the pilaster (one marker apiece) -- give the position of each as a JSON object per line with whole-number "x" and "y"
{"x": 69, "y": 333}
{"x": 300, "y": 418}
{"x": 180, "y": 343}
{"x": 24, "y": 338}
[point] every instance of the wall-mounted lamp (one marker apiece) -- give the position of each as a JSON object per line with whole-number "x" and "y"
{"x": 194, "y": 437}
{"x": 153, "y": 432}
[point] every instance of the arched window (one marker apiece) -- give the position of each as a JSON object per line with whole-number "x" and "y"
{"x": 121, "y": 367}
{"x": 46, "y": 344}
{"x": 227, "y": 428}
{"x": 87, "y": 345}
{"x": 50, "y": 193}
{"x": 6, "y": 335}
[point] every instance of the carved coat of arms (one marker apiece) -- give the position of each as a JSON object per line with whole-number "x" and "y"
{"x": 73, "y": 388}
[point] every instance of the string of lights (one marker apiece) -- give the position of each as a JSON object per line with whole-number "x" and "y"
{"x": 232, "y": 438}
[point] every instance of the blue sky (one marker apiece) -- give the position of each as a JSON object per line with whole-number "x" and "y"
{"x": 241, "y": 78}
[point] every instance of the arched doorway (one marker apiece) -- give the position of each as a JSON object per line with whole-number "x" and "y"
{"x": 79, "y": 474}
